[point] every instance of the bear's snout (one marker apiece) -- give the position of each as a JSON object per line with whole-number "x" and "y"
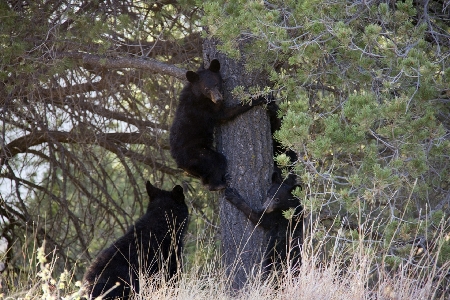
{"x": 268, "y": 205}
{"x": 216, "y": 96}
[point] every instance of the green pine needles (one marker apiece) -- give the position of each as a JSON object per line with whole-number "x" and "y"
{"x": 364, "y": 88}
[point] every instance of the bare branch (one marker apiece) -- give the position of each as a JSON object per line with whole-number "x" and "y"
{"x": 126, "y": 62}
{"x": 106, "y": 140}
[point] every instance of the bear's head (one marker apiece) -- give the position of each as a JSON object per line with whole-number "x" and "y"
{"x": 160, "y": 198}
{"x": 279, "y": 195}
{"x": 207, "y": 82}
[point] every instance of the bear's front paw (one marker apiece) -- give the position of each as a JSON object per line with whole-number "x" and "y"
{"x": 263, "y": 99}
{"x": 259, "y": 101}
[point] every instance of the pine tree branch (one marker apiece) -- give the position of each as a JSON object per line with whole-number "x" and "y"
{"x": 126, "y": 62}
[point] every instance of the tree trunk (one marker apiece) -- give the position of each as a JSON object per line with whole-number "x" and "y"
{"x": 246, "y": 143}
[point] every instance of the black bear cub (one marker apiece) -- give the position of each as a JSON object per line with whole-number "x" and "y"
{"x": 283, "y": 236}
{"x": 278, "y": 148}
{"x": 152, "y": 244}
{"x": 200, "y": 109}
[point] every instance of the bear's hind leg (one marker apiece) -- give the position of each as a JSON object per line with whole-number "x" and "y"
{"x": 217, "y": 177}
{"x": 207, "y": 164}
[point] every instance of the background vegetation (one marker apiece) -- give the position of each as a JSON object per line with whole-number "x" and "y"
{"x": 88, "y": 89}
{"x": 365, "y": 90}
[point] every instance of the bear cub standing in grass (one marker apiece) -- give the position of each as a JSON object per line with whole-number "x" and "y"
{"x": 200, "y": 109}
{"x": 283, "y": 236}
{"x": 152, "y": 244}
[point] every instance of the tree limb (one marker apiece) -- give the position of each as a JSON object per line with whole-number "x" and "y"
{"x": 106, "y": 140}
{"x": 126, "y": 62}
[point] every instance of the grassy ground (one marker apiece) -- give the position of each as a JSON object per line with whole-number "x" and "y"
{"x": 359, "y": 277}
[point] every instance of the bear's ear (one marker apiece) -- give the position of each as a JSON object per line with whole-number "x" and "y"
{"x": 151, "y": 190}
{"x": 214, "y": 66}
{"x": 177, "y": 193}
{"x": 192, "y": 77}
{"x": 276, "y": 178}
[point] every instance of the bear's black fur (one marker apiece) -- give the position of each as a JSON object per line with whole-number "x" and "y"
{"x": 283, "y": 236}
{"x": 152, "y": 244}
{"x": 200, "y": 109}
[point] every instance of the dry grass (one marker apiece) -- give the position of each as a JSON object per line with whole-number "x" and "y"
{"x": 313, "y": 282}
{"x": 359, "y": 278}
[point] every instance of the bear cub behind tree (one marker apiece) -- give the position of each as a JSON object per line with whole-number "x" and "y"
{"x": 278, "y": 148}
{"x": 152, "y": 244}
{"x": 200, "y": 109}
{"x": 283, "y": 236}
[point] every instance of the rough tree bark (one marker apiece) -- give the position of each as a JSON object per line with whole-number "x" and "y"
{"x": 246, "y": 142}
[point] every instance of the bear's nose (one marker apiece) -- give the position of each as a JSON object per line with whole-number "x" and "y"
{"x": 216, "y": 96}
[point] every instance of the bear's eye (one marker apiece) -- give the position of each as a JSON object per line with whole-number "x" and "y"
{"x": 276, "y": 200}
